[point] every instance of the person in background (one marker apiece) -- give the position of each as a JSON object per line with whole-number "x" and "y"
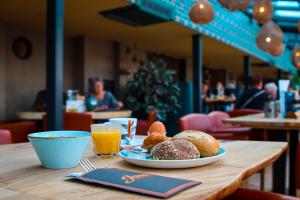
{"x": 254, "y": 97}
{"x": 40, "y": 103}
{"x": 220, "y": 90}
{"x": 272, "y": 89}
{"x": 99, "y": 99}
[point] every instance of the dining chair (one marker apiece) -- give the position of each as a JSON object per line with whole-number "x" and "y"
{"x": 16, "y": 132}
{"x": 239, "y": 133}
{"x": 202, "y": 122}
{"x": 74, "y": 121}
{"x": 5, "y": 137}
{"x": 297, "y": 172}
{"x": 143, "y": 125}
{"x": 247, "y": 194}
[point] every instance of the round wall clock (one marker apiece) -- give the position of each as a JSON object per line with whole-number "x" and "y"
{"x": 22, "y": 47}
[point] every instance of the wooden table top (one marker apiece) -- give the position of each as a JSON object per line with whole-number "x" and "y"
{"x": 261, "y": 122}
{"x": 32, "y": 115}
{"x": 21, "y": 175}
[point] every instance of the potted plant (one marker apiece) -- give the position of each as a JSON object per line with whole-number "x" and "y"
{"x": 153, "y": 88}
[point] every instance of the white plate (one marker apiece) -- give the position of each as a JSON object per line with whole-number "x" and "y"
{"x": 145, "y": 160}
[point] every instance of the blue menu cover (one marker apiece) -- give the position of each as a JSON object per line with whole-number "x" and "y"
{"x": 153, "y": 185}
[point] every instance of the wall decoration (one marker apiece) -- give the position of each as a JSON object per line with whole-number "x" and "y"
{"x": 234, "y": 5}
{"x": 202, "y": 12}
{"x": 263, "y": 11}
{"x": 270, "y": 38}
{"x": 296, "y": 56}
{"x": 22, "y": 47}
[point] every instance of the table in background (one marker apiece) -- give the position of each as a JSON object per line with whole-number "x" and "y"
{"x": 21, "y": 175}
{"x": 213, "y": 103}
{"x": 102, "y": 115}
{"x": 291, "y": 127}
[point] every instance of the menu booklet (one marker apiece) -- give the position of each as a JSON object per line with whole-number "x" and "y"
{"x": 153, "y": 185}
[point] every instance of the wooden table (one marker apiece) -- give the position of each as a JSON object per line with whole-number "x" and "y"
{"x": 22, "y": 177}
{"x": 289, "y": 126}
{"x": 32, "y": 115}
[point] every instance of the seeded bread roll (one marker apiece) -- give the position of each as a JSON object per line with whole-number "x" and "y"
{"x": 206, "y": 144}
{"x": 175, "y": 150}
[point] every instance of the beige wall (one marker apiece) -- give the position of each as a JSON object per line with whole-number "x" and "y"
{"x": 24, "y": 78}
{"x": 2, "y": 73}
{"x": 98, "y": 60}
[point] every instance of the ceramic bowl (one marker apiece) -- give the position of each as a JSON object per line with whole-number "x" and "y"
{"x": 59, "y": 149}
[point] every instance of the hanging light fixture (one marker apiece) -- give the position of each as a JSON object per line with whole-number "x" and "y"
{"x": 234, "y": 5}
{"x": 263, "y": 11}
{"x": 202, "y": 12}
{"x": 277, "y": 51}
{"x": 270, "y": 39}
{"x": 296, "y": 56}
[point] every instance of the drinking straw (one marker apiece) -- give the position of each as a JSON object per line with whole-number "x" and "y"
{"x": 129, "y": 128}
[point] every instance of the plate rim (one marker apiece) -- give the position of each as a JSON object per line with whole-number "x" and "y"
{"x": 187, "y": 160}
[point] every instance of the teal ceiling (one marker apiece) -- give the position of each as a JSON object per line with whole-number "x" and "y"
{"x": 237, "y": 29}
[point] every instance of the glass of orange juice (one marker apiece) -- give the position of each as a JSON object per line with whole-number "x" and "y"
{"x": 106, "y": 138}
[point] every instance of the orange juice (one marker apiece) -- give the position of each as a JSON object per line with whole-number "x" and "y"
{"x": 106, "y": 143}
{"x": 106, "y": 138}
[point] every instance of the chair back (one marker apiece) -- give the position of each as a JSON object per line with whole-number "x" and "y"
{"x": 217, "y": 118}
{"x": 5, "y": 137}
{"x": 19, "y": 130}
{"x": 198, "y": 122}
{"x": 298, "y": 167}
{"x": 242, "y": 112}
{"x": 74, "y": 121}
{"x": 143, "y": 125}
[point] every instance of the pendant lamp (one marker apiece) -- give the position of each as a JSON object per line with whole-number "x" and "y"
{"x": 270, "y": 38}
{"x": 202, "y": 12}
{"x": 234, "y": 5}
{"x": 296, "y": 56}
{"x": 263, "y": 11}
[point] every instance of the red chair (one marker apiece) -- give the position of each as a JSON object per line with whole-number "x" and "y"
{"x": 5, "y": 137}
{"x": 143, "y": 125}
{"x": 201, "y": 122}
{"x": 74, "y": 121}
{"x": 298, "y": 167}
{"x": 16, "y": 132}
{"x": 243, "y": 112}
{"x": 197, "y": 122}
{"x": 247, "y": 194}
{"x": 238, "y": 133}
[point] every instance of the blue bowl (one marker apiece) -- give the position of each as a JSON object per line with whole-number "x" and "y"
{"x": 60, "y": 149}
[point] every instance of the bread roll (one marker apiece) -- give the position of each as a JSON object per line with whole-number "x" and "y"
{"x": 154, "y": 139}
{"x": 175, "y": 150}
{"x": 205, "y": 143}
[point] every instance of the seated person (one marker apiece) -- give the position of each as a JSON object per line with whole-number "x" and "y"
{"x": 99, "y": 99}
{"x": 40, "y": 103}
{"x": 253, "y": 97}
{"x": 272, "y": 89}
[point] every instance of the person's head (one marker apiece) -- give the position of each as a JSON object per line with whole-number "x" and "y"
{"x": 256, "y": 82}
{"x": 272, "y": 90}
{"x": 219, "y": 85}
{"x": 205, "y": 88}
{"x": 97, "y": 86}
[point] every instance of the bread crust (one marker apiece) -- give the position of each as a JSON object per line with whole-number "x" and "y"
{"x": 154, "y": 139}
{"x": 175, "y": 150}
{"x": 206, "y": 144}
